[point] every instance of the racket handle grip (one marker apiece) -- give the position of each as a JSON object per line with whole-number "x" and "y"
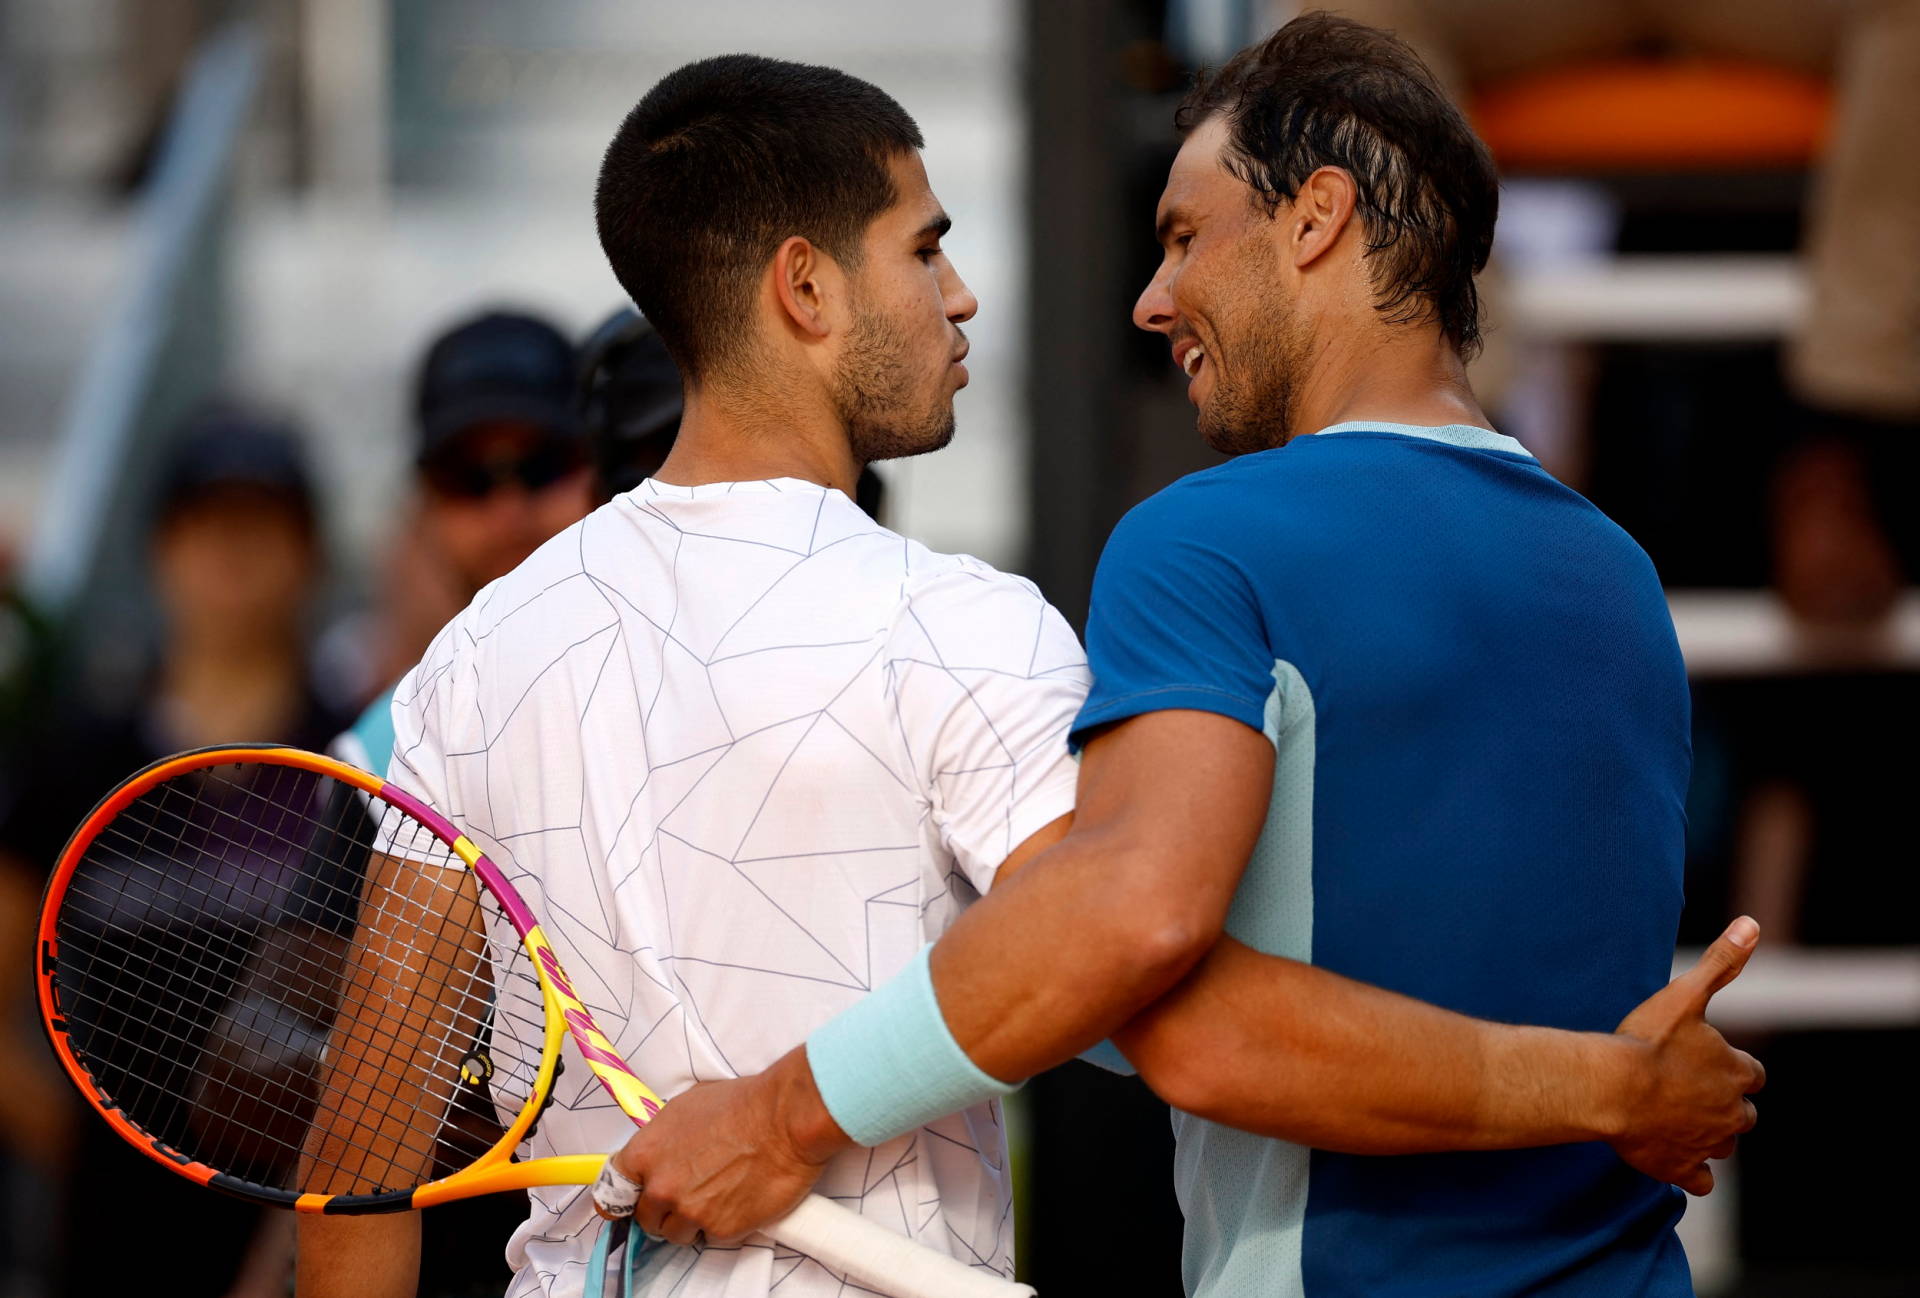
{"x": 882, "y": 1259}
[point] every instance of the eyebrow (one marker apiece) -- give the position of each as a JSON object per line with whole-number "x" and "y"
{"x": 937, "y": 227}
{"x": 1175, "y": 215}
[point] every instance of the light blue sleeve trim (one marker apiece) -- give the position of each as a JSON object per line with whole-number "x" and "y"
{"x": 1469, "y": 436}
{"x": 888, "y": 1064}
{"x": 1107, "y": 1055}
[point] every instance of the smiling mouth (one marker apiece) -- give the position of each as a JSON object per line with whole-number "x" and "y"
{"x": 1193, "y": 359}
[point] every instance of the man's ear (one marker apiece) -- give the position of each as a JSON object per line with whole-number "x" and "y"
{"x": 805, "y": 280}
{"x": 1319, "y": 214}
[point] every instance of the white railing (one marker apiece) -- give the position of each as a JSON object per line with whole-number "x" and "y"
{"x": 107, "y": 435}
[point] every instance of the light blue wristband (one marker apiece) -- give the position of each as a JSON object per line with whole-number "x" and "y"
{"x": 887, "y": 1064}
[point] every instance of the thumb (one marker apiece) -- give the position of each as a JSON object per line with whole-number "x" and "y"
{"x": 1722, "y": 962}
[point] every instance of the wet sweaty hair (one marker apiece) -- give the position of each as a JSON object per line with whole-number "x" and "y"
{"x": 720, "y": 163}
{"x": 1329, "y": 92}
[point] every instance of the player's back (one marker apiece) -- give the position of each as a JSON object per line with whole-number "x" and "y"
{"x": 719, "y": 736}
{"x": 1481, "y": 725}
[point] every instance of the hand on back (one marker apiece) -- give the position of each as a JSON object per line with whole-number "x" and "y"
{"x": 1691, "y": 1100}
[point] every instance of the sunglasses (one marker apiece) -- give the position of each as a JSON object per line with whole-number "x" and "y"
{"x": 475, "y": 478}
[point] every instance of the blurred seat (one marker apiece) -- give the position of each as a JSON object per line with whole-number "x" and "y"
{"x": 1692, "y": 125}
{"x": 1654, "y": 115}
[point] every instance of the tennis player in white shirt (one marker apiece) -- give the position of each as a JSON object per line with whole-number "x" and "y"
{"x": 746, "y": 750}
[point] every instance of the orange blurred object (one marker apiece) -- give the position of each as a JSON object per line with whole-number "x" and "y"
{"x": 1654, "y": 114}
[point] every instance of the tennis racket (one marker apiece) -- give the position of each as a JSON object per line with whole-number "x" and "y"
{"x": 284, "y": 978}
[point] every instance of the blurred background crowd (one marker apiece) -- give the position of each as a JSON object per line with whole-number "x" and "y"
{"x": 305, "y": 336}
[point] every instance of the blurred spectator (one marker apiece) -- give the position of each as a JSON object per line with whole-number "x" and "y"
{"x": 500, "y": 466}
{"x": 34, "y": 1133}
{"x": 630, "y": 402}
{"x": 1798, "y": 817}
{"x": 235, "y": 557}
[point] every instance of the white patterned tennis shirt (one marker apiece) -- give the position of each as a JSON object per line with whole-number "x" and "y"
{"x": 744, "y": 751}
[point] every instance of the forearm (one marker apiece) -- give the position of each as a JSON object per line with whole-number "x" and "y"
{"x": 1054, "y": 961}
{"x": 1287, "y": 1050}
{"x": 263, "y": 1272}
{"x": 1060, "y": 955}
{"x": 358, "y": 1257}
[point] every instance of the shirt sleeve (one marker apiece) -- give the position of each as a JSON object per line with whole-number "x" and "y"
{"x": 985, "y": 677}
{"x": 1175, "y": 620}
{"x": 417, "y": 740}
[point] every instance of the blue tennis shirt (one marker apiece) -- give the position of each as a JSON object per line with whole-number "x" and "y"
{"x": 1480, "y": 721}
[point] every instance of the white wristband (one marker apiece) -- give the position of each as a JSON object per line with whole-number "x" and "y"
{"x": 614, "y": 1194}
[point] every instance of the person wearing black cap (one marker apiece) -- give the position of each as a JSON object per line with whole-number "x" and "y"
{"x": 501, "y": 460}
{"x": 235, "y": 557}
{"x": 629, "y": 401}
{"x": 500, "y": 465}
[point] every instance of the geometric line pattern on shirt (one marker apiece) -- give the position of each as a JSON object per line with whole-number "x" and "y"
{"x": 743, "y": 751}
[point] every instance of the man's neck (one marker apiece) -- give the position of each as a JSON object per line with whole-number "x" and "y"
{"x": 727, "y": 435}
{"x": 1392, "y": 374}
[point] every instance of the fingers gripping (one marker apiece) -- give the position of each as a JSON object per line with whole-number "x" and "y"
{"x": 615, "y": 1193}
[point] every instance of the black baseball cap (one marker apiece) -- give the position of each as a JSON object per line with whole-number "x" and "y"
{"x": 224, "y": 447}
{"x": 502, "y": 366}
{"x": 629, "y": 401}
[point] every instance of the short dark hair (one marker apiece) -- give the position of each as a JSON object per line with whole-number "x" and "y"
{"x": 717, "y": 165}
{"x": 1327, "y": 91}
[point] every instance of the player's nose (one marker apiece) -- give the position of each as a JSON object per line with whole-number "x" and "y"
{"x": 960, "y": 302}
{"x": 1153, "y": 310}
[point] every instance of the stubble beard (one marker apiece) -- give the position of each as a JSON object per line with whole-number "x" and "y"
{"x": 874, "y": 394}
{"x": 1251, "y": 408}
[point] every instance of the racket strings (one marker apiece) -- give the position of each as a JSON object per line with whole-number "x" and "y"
{"x": 318, "y": 970}
{"x": 175, "y": 1062}
{"x": 219, "y": 971}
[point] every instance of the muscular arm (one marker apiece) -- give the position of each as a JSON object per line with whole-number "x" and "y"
{"x": 1062, "y": 953}
{"x": 1283, "y": 1049}
{"x": 369, "y": 1257}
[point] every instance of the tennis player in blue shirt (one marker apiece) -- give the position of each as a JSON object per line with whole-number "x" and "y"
{"x": 1386, "y": 749}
